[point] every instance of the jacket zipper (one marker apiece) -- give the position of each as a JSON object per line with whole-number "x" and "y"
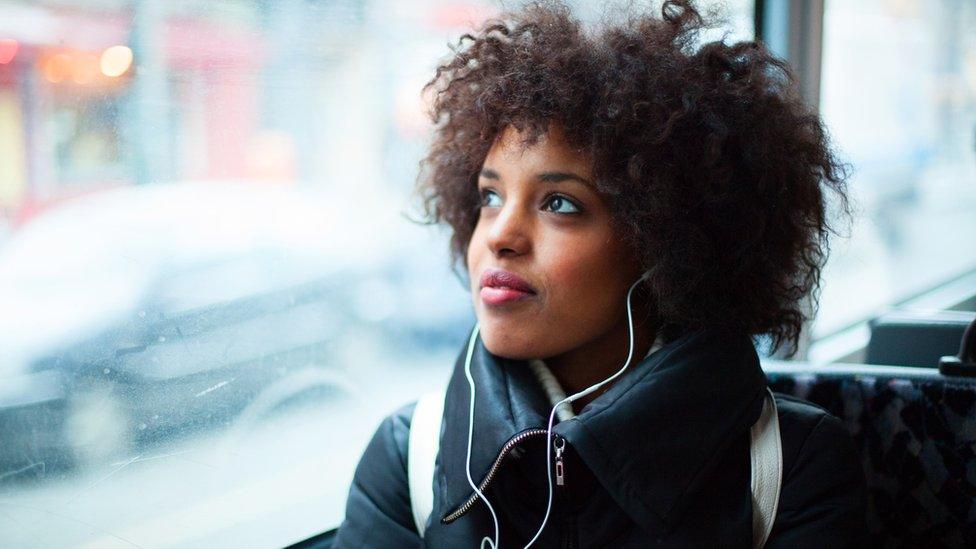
{"x": 558, "y": 444}
{"x": 569, "y": 521}
{"x": 506, "y": 449}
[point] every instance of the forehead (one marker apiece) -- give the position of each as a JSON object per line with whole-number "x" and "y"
{"x": 550, "y": 151}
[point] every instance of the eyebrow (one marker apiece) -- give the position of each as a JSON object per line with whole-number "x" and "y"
{"x": 544, "y": 177}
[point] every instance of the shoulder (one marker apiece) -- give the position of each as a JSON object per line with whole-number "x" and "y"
{"x": 378, "y": 512}
{"x": 800, "y": 420}
{"x": 390, "y": 442}
{"x": 808, "y": 431}
{"x": 822, "y": 496}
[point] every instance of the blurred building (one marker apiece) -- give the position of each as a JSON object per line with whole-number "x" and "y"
{"x": 95, "y": 95}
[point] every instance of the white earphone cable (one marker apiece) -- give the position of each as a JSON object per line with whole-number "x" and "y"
{"x": 467, "y": 373}
{"x": 571, "y": 398}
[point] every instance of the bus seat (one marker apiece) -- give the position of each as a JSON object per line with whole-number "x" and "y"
{"x": 916, "y": 338}
{"x": 916, "y": 431}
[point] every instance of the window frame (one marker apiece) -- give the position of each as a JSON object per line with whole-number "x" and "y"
{"x": 794, "y": 30}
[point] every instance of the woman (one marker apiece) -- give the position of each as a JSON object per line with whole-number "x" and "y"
{"x": 616, "y": 195}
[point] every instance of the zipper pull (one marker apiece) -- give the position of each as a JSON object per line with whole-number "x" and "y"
{"x": 559, "y": 443}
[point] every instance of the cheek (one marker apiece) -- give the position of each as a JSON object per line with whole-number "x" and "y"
{"x": 474, "y": 253}
{"x": 580, "y": 275}
{"x": 584, "y": 277}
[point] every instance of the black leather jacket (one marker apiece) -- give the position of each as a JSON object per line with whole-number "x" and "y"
{"x": 661, "y": 459}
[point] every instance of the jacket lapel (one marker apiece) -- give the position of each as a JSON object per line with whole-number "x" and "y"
{"x": 654, "y": 439}
{"x": 651, "y": 440}
{"x": 508, "y": 401}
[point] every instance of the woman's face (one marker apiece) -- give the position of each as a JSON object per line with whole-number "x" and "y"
{"x": 542, "y": 221}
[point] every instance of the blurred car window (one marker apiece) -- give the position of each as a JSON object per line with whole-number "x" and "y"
{"x": 210, "y": 293}
{"x": 899, "y": 98}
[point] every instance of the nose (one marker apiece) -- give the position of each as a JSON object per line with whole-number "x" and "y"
{"x": 510, "y": 231}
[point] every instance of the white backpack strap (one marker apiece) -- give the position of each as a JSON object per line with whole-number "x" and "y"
{"x": 766, "y": 455}
{"x": 425, "y": 434}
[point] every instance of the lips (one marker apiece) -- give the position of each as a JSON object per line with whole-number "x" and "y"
{"x": 499, "y": 287}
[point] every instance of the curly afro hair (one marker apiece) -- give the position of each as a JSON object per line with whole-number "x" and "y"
{"x": 716, "y": 172}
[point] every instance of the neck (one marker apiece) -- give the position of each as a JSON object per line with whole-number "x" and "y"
{"x": 596, "y": 361}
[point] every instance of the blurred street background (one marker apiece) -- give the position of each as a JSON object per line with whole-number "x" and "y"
{"x": 211, "y": 289}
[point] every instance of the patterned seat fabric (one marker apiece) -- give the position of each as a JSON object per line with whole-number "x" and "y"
{"x": 917, "y": 438}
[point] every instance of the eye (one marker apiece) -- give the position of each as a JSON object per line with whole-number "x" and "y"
{"x": 490, "y": 199}
{"x": 560, "y": 204}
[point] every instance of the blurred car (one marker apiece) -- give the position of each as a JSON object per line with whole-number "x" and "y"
{"x": 143, "y": 314}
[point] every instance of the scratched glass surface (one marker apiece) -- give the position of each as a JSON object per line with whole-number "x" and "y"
{"x": 209, "y": 294}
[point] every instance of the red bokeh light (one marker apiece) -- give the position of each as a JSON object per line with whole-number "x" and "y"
{"x": 8, "y": 50}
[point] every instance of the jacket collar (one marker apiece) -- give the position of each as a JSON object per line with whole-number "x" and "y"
{"x": 651, "y": 439}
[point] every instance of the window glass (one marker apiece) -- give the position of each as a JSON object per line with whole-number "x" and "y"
{"x": 210, "y": 293}
{"x": 899, "y": 98}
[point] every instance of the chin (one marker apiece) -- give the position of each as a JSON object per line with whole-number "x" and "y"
{"x": 508, "y": 346}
